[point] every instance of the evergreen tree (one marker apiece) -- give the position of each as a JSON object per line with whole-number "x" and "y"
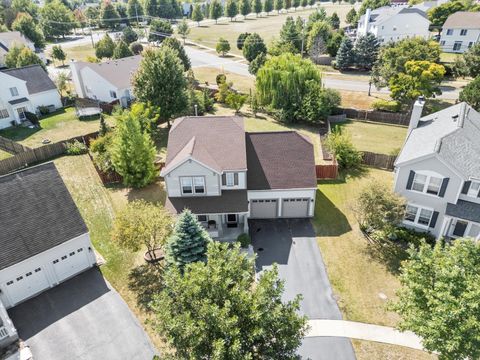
{"x": 223, "y": 46}
{"x": 278, "y": 5}
{"x": 231, "y": 9}
{"x": 216, "y": 10}
{"x": 109, "y": 15}
{"x": 257, "y": 6}
{"x": 257, "y": 63}
{"x": 197, "y": 14}
{"x": 471, "y": 93}
{"x": 104, "y": 128}
{"x": 268, "y": 6}
{"x": 253, "y": 46}
{"x": 150, "y": 7}
{"x": 289, "y": 34}
{"x": 335, "y": 21}
{"x": 188, "y": 242}
{"x": 288, "y": 4}
{"x": 175, "y": 45}
{"x": 105, "y": 47}
{"x": 345, "y": 55}
{"x": 352, "y": 17}
{"x": 136, "y": 48}
{"x": 366, "y": 51}
{"x": 183, "y": 29}
{"x": 129, "y": 35}
{"x": 241, "y": 40}
{"x": 296, "y": 4}
{"x": 245, "y": 7}
{"x": 304, "y": 3}
{"x": 159, "y": 30}
{"x": 134, "y": 10}
{"x": 121, "y": 50}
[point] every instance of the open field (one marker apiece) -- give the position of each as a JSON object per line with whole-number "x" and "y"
{"x": 240, "y": 82}
{"x": 80, "y": 52}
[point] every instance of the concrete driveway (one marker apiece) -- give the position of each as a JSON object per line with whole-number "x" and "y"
{"x": 292, "y": 245}
{"x": 83, "y": 318}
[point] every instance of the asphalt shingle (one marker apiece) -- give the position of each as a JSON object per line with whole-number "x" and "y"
{"x": 36, "y": 77}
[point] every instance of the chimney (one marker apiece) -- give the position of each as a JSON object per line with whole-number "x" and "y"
{"x": 416, "y": 113}
{"x": 367, "y": 19}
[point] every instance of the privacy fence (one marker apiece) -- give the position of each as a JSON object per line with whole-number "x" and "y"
{"x": 381, "y": 161}
{"x": 375, "y": 116}
{"x": 11, "y": 146}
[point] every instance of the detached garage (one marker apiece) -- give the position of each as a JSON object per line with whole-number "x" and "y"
{"x": 43, "y": 238}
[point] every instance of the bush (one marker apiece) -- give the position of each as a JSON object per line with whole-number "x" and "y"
{"x": 410, "y": 236}
{"x": 347, "y": 155}
{"x": 136, "y": 48}
{"x": 385, "y": 105}
{"x": 244, "y": 240}
{"x": 223, "y": 91}
{"x": 44, "y": 110}
{"x": 100, "y": 152}
{"x": 33, "y": 118}
{"x": 75, "y": 148}
{"x": 220, "y": 79}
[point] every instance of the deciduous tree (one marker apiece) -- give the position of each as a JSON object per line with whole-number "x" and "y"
{"x": 472, "y": 60}
{"x": 245, "y": 7}
{"x": 471, "y": 93}
{"x": 223, "y": 46}
{"x": 318, "y": 103}
{"x": 235, "y": 101}
{"x": 129, "y": 35}
{"x": 278, "y": 5}
{"x": 216, "y": 10}
{"x": 58, "y": 53}
{"x": 159, "y": 30}
{"x": 267, "y": 6}
{"x": 57, "y": 19}
{"x": 257, "y": 6}
{"x": 27, "y": 26}
{"x": 231, "y": 9}
{"x": 22, "y": 56}
{"x": 121, "y": 50}
{"x": 253, "y": 47}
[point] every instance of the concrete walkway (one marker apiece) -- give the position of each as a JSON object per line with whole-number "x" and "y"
{"x": 361, "y": 331}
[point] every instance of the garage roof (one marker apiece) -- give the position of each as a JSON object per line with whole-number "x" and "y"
{"x": 280, "y": 160}
{"x": 231, "y": 201}
{"x": 36, "y": 213}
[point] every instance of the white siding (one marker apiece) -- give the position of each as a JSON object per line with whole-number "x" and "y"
{"x": 46, "y": 98}
{"x": 447, "y": 42}
{"x": 242, "y": 182}
{"x": 192, "y": 168}
{"x": 96, "y": 87}
{"x": 285, "y": 194}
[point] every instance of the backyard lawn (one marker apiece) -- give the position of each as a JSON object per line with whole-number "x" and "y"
{"x": 374, "y": 137}
{"x": 4, "y": 155}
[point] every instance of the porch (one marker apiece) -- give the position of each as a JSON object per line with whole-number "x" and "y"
{"x": 224, "y": 227}
{"x": 461, "y": 220}
{"x": 8, "y": 333}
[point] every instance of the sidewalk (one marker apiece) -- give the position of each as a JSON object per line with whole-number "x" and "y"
{"x": 361, "y": 331}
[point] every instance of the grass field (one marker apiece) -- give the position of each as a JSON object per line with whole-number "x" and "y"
{"x": 4, "y": 155}
{"x": 374, "y": 137}
{"x": 240, "y": 82}
{"x": 80, "y": 52}
{"x": 367, "y": 350}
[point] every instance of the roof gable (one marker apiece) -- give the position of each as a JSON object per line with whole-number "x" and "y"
{"x": 35, "y": 76}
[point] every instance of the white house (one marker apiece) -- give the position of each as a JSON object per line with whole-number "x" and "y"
{"x": 460, "y": 32}
{"x": 438, "y": 172}
{"x": 11, "y": 39}
{"x": 25, "y": 90}
{"x": 394, "y": 23}
{"x": 106, "y": 82}
{"x": 43, "y": 239}
{"x": 226, "y": 176}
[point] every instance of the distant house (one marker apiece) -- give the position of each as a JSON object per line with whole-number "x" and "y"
{"x": 460, "y": 32}
{"x": 438, "y": 172}
{"x": 394, "y": 23}
{"x": 106, "y": 82}
{"x": 11, "y": 39}
{"x": 25, "y": 90}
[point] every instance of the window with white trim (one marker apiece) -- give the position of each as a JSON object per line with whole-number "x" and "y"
{"x": 418, "y": 215}
{"x": 463, "y": 32}
{"x": 14, "y": 91}
{"x": 457, "y": 46}
{"x": 186, "y": 185}
{"x": 113, "y": 94}
{"x": 4, "y": 114}
{"x": 428, "y": 184}
{"x": 192, "y": 185}
{"x": 230, "y": 177}
{"x": 474, "y": 189}
{"x": 449, "y": 31}
{"x": 199, "y": 185}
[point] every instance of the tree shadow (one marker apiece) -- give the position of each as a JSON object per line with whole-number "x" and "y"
{"x": 329, "y": 219}
{"x": 146, "y": 281}
{"x": 387, "y": 253}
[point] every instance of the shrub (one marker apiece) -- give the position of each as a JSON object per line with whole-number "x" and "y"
{"x": 410, "y": 236}
{"x": 33, "y": 118}
{"x": 385, "y": 105}
{"x": 244, "y": 240}
{"x": 223, "y": 91}
{"x": 347, "y": 155}
{"x": 44, "y": 110}
{"x": 75, "y": 148}
{"x": 136, "y": 48}
{"x": 100, "y": 152}
{"x": 220, "y": 79}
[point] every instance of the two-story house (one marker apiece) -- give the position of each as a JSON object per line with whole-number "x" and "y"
{"x": 460, "y": 32}
{"x": 25, "y": 90}
{"x": 438, "y": 172}
{"x": 226, "y": 176}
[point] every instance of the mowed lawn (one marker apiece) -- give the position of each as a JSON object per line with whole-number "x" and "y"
{"x": 364, "y": 277}
{"x": 4, "y": 155}
{"x": 374, "y": 137}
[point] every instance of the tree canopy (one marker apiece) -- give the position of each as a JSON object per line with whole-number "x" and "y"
{"x": 58, "y": 53}
{"x": 27, "y": 26}
{"x": 197, "y": 13}
{"x": 121, "y": 50}
{"x": 439, "y": 14}
{"x": 109, "y": 15}
{"x": 178, "y": 47}
{"x": 104, "y": 47}
{"x": 366, "y": 51}
{"x": 223, "y": 46}
{"x": 129, "y": 35}
{"x": 253, "y": 46}
{"x": 57, "y": 19}
{"x": 159, "y": 30}
{"x": 471, "y": 93}
{"x": 216, "y": 10}
{"x": 22, "y": 56}
{"x": 472, "y": 60}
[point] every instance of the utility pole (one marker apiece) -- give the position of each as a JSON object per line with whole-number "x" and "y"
{"x": 303, "y": 35}
{"x": 91, "y": 33}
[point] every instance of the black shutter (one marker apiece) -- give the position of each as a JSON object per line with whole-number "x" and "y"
{"x": 410, "y": 179}
{"x": 443, "y": 188}
{"x": 466, "y": 187}
{"x": 433, "y": 220}
{"x": 235, "y": 179}
{"x": 224, "y": 179}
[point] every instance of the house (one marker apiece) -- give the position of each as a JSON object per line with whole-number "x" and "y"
{"x": 11, "y": 39}
{"x": 394, "y": 23}
{"x": 106, "y": 82}
{"x": 43, "y": 239}
{"x": 8, "y": 333}
{"x": 24, "y": 90}
{"x": 460, "y": 32}
{"x": 438, "y": 172}
{"x": 226, "y": 176}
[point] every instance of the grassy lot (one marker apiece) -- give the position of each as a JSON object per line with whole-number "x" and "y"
{"x": 366, "y": 350}
{"x": 4, "y": 155}
{"x": 268, "y": 27}
{"x": 58, "y": 126}
{"x": 80, "y": 52}
{"x": 374, "y": 137}
{"x": 240, "y": 82}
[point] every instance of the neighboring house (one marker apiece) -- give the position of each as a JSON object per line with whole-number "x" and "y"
{"x": 226, "y": 176}
{"x": 25, "y": 90}
{"x": 43, "y": 239}
{"x": 438, "y": 172}
{"x": 11, "y": 39}
{"x": 106, "y": 82}
{"x": 460, "y": 32}
{"x": 394, "y": 23}
{"x": 8, "y": 333}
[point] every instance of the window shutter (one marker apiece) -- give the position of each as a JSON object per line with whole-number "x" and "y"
{"x": 224, "y": 179}
{"x": 410, "y": 179}
{"x": 444, "y": 187}
{"x": 466, "y": 187}
{"x": 235, "y": 179}
{"x": 433, "y": 220}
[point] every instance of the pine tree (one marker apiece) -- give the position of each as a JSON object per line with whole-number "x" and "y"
{"x": 268, "y": 6}
{"x": 366, "y": 51}
{"x": 352, "y": 17}
{"x": 109, "y": 15}
{"x": 245, "y": 7}
{"x": 215, "y": 10}
{"x": 345, "y": 55}
{"x": 134, "y": 10}
{"x": 104, "y": 128}
{"x": 335, "y": 21}
{"x": 121, "y": 50}
{"x": 231, "y": 9}
{"x": 197, "y": 14}
{"x": 189, "y": 241}
{"x": 257, "y": 6}
{"x": 289, "y": 34}
{"x": 150, "y": 7}
{"x": 278, "y": 5}
{"x": 105, "y": 47}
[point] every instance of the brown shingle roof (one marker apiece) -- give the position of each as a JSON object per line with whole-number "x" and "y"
{"x": 36, "y": 77}
{"x": 231, "y": 201}
{"x": 464, "y": 20}
{"x": 280, "y": 160}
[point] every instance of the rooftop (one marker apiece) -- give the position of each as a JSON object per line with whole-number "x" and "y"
{"x": 463, "y": 20}
{"x": 35, "y": 76}
{"x": 9, "y": 38}
{"x": 384, "y": 13}
{"x": 231, "y": 201}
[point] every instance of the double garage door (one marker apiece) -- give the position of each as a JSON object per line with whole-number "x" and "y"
{"x": 35, "y": 280}
{"x": 268, "y": 208}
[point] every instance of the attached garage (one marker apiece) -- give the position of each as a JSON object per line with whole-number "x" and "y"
{"x": 26, "y": 284}
{"x": 295, "y": 208}
{"x": 263, "y": 208}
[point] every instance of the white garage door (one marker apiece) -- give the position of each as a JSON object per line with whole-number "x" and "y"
{"x": 70, "y": 263}
{"x": 26, "y": 285}
{"x": 263, "y": 209}
{"x": 295, "y": 208}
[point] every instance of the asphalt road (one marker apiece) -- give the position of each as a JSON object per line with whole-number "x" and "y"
{"x": 292, "y": 245}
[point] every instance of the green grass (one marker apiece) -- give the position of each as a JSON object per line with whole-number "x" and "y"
{"x": 374, "y": 137}
{"x": 449, "y": 57}
{"x": 4, "y": 155}
{"x": 80, "y": 52}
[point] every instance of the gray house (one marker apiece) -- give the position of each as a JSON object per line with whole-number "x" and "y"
{"x": 438, "y": 172}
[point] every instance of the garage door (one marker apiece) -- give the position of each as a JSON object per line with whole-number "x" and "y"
{"x": 70, "y": 263}
{"x": 263, "y": 209}
{"x": 295, "y": 208}
{"x": 26, "y": 285}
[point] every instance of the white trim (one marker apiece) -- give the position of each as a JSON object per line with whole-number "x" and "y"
{"x": 429, "y": 175}
{"x": 417, "y": 216}
{"x": 169, "y": 170}
{"x": 315, "y": 188}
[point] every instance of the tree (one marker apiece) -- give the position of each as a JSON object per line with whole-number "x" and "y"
{"x": 318, "y": 39}
{"x": 245, "y": 7}
{"x": 177, "y": 46}
{"x": 104, "y": 128}
{"x": 333, "y": 44}
{"x": 129, "y": 35}
{"x": 58, "y": 53}
{"x": 472, "y": 60}
{"x": 109, "y": 15}
{"x": 80, "y": 18}
{"x": 257, "y": 6}
{"x": 371, "y": 4}
{"x": 136, "y": 48}
{"x": 334, "y": 20}
{"x": 197, "y": 14}
{"x": 22, "y": 56}
{"x": 257, "y": 63}
{"x": 216, "y": 310}
{"x": 439, "y": 14}
{"x": 223, "y": 46}
{"x": 26, "y": 25}
{"x": 92, "y": 14}
{"x": 142, "y": 224}
{"x": 345, "y": 55}
{"x": 160, "y": 81}
{"x": 24, "y": 6}
{"x": 231, "y": 9}
{"x": 319, "y": 15}
{"x": 61, "y": 82}
{"x": 122, "y": 13}
{"x": 318, "y": 103}
{"x": 235, "y": 101}
{"x": 296, "y": 4}
{"x": 135, "y": 10}
{"x": 289, "y": 34}
{"x": 253, "y": 46}
{"x": 366, "y": 51}
{"x": 216, "y": 10}
{"x": 471, "y": 93}
{"x": 150, "y": 7}
{"x": 267, "y": 6}
{"x": 352, "y": 17}
{"x": 57, "y": 19}
{"x": 159, "y": 30}
{"x": 254, "y": 106}
{"x": 437, "y": 300}
{"x": 121, "y": 50}
{"x": 241, "y": 40}
{"x": 104, "y": 47}
{"x": 281, "y": 83}
{"x": 340, "y": 144}
{"x": 183, "y": 29}
{"x": 188, "y": 243}
{"x": 421, "y": 78}
{"x": 278, "y": 5}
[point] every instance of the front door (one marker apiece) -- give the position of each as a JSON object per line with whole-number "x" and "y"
{"x": 460, "y": 228}
{"x": 232, "y": 220}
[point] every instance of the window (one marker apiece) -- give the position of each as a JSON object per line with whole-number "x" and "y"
{"x": 424, "y": 217}
{"x": 186, "y": 185}
{"x": 442, "y": 42}
{"x": 460, "y": 228}
{"x": 193, "y": 185}
{"x": 474, "y": 231}
{"x": 411, "y": 213}
{"x": 202, "y": 218}
{"x": 113, "y": 94}
{"x": 470, "y": 44}
{"x": 457, "y": 45}
{"x": 427, "y": 184}
{"x": 231, "y": 218}
{"x": 199, "y": 183}
{"x": 434, "y": 185}
{"x": 449, "y": 31}
{"x": 230, "y": 179}
{"x": 4, "y": 114}
{"x": 474, "y": 189}
{"x": 394, "y": 28}
{"x": 418, "y": 216}
{"x": 14, "y": 91}
{"x": 419, "y": 182}
{"x": 463, "y": 32}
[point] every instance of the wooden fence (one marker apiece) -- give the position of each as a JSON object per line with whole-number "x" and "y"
{"x": 11, "y": 146}
{"x": 377, "y": 116}
{"x": 326, "y": 171}
{"x": 381, "y": 161}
